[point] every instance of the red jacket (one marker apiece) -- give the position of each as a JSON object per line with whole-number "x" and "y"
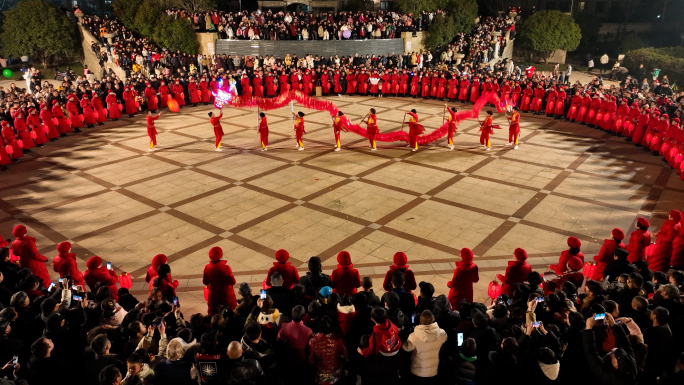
{"x": 166, "y": 286}
{"x": 219, "y": 278}
{"x": 660, "y": 260}
{"x": 562, "y": 265}
{"x": 604, "y": 257}
{"x": 97, "y": 273}
{"x": 65, "y": 264}
{"x": 516, "y": 272}
{"x": 400, "y": 265}
{"x": 461, "y": 284}
{"x": 25, "y": 248}
{"x": 345, "y": 318}
{"x": 638, "y": 241}
{"x": 345, "y": 279}
{"x": 385, "y": 339}
{"x": 157, "y": 260}
{"x": 287, "y": 271}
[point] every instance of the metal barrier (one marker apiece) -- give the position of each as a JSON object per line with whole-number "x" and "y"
{"x": 301, "y": 48}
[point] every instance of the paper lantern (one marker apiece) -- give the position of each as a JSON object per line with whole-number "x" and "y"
{"x": 125, "y": 281}
{"x": 80, "y": 116}
{"x": 120, "y": 107}
{"x": 9, "y": 149}
{"x": 68, "y": 121}
{"x": 588, "y": 270}
{"x": 20, "y": 143}
{"x": 678, "y": 158}
{"x": 46, "y": 130}
{"x": 173, "y": 105}
{"x": 664, "y": 147}
{"x": 649, "y": 250}
{"x": 96, "y": 115}
{"x": 34, "y": 135}
{"x": 494, "y": 289}
{"x": 654, "y": 141}
{"x": 648, "y": 138}
{"x": 55, "y": 121}
{"x": 206, "y": 293}
{"x": 137, "y": 104}
{"x": 673, "y": 151}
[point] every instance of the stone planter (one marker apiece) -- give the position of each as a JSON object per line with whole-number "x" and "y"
{"x": 512, "y": 15}
{"x": 109, "y": 37}
{"x": 459, "y": 57}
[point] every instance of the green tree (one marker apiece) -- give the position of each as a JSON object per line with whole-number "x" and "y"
{"x": 195, "y": 5}
{"x": 38, "y": 29}
{"x": 145, "y": 20}
{"x": 443, "y": 28}
{"x": 176, "y": 35}
{"x": 125, "y": 11}
{"x": 440, "y": 33}
{"x": 464, "y": 13}
{"x": 547, "y": 31}
{"x": 415, "y": 6}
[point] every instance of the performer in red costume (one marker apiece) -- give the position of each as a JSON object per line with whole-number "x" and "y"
{"x": 164, "y": 95}
{"x": 178, "y": 94}
{"x": 605, "y": 255}
{"x": 451, "y": 128}
{"x": 97, "y": 273}
{"x": 372, "y": 128}
{"x": 415, "y": 85}
{"x": 620, "y": 118}
{"x": 453, "y": 89}
{"x": 351, "y": 82}
{"x": 33, "y": 122}
{"x": 677, "y": 257}
{"x": 660, "y": 260}
{"x": 400, "y": 264}
{"x": 88, "y": 115}
{"x": 487, "y": 129}
{"x": 205, "y": 92}
{"x": 415, "y": 129}
{"x": 325, "y": 83}
{"x": 362, "y": 80}
{"x": 287, "y": 271}
{"x": 631, "y": 122}
{"x": 463, "y": 89}
{"x": 263, "y": 131}
{"x": 514, "y": 129}
{"x": 72, "y": 110}
{"x": 113, "y": 110}
{"x": 4, "y": 158}
{"x": 215, "y": 122}
{"x": 403, "y": 83}
{"x": 284, "y": 85}
{"x": 219, "y": 280}
{"x": 337, "y": 129}
{"x": 25, "y": 248}
{"x": 299, "y": 130}
{"x": 394, "y": 85}
{"x": 474, "y": 90}
{"x": 516, "y": 95}
{"x": 98, "y": 109}
{"x": 151, "y": 97}
{"x": 640, "y": 129}
{"x": 441, "y": 87}
{"x": 257, "y": 83}
{"x": 539, "y": 94}
{"x": 23, "y": 131}
{"x": 517, "y": 271}
{"x": 573, "y": 274}
{"x": 151, "y": 130}
{"x": 58, "y": 115}
{"x": 246, "y": 86}
{"x": 528, "y": 94}
{"x": 639, "y": 239}
{"x": 573, "y": 251}
{"x": 559, "y": 109}
{"x": 575, "y": 103}
{"x": 461, "y": 284}
{"x": 129, "y": 101}
{"x": 157, "y": 261}
{"x": 46, "y": 117}
{"x": 9, "y": 139}
{"x": 657, "y": 141}
{"x": 425, "y": 86}
{"x": 345, "y": 279}
{"x": 65, "y": 264}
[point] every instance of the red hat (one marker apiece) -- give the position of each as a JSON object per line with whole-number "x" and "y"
{"x": 344, "y": 258}
{"x": 618, "y": 234}
{"x": 656, "y": 112}
{"x": 147, "y": 83}
{"x": 400, "y": 259}
{"x": 55, "y": 102}
{"x": 666, "y": 116}
{"x": 158, "y": 260}
{"x": 42, "y": 106}
{"x": 63, "y": 247}
{"x": 574, "y": 243}
{"x": 643, "y": 222}
{"x": 19, "y": 231}
{"x": 215, "y": 253}
{"x": 94, "y": 262}
{"x": 31, "y": 110}
{"x": 520, "y": 254}
{"x": 466, "y": 254}
{"x": 575, "y": 263}
{"x": 282, "y": 255}
{"x": 676, "y": 120}
{"x": 4, "y": 123}
{"x": 624, "y": 100}
{"x": 676, "y": 215}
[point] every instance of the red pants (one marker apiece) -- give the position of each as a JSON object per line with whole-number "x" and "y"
{"x": 450, "y": 134}
{"x": 413, "y": 139}
{"x": 337, "y": 140}
{"x": 484, "y": 139}
{"x": 218, "y": 133}
{"x": 371, "y": 136}
{"x": 513, "y": 137}
{"x": 152, "y": 133}
{"x": 299, "y": 134}
{"x": 263, "y": 134}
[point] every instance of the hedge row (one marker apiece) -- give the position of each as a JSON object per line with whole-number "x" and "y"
{"x": 670, "y": 60}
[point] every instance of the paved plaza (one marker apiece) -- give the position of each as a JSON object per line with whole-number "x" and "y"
{"x": 105, "y": 193}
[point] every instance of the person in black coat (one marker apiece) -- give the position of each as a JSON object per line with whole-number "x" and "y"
{"x": 660, "y": 356}
{"x": 618, "y": 367}
{"x": 283, "y": 298}
{"x": 620, "y": 265}
{"x": 240, "y": 370}
{"x": 458, "y": 368}
{"x": 314, "y": 279}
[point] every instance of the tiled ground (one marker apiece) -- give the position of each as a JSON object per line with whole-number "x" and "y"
{"x": 103, "y": 191}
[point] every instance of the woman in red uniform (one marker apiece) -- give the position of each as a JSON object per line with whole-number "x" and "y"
{"x": 151, "y": 130}
{"x": 263, "y": 131}
{"x": 218, "y": 130}
{"x": 46, "y": 117}
{"x": 72, "y": 109}
{"x": 58, "y": 114}
{"x": 113, "y": 110}
{"x": 219, "y": 279}
{"x": 34, "y": 124}
{"x": 461, "y": 284}
{"x": 98, "y": 109}
{"x": 605, "y": 255}
{"x": 372, "y": 128}
{"x": 299, "y": 129}
{"x": 9, "y": 139}
{"x": 23, "y": 131}
{"x": 129, "y": 101}
{"x": 88, "y": 116}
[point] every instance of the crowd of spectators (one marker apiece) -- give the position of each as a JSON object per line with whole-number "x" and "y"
{"x": 622, "y": 325}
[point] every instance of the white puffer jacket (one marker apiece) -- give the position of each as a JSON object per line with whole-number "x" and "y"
{"x": 424, "y": 343}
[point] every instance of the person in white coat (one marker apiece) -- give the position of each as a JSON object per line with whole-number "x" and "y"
{"x": 424, "y": 344}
